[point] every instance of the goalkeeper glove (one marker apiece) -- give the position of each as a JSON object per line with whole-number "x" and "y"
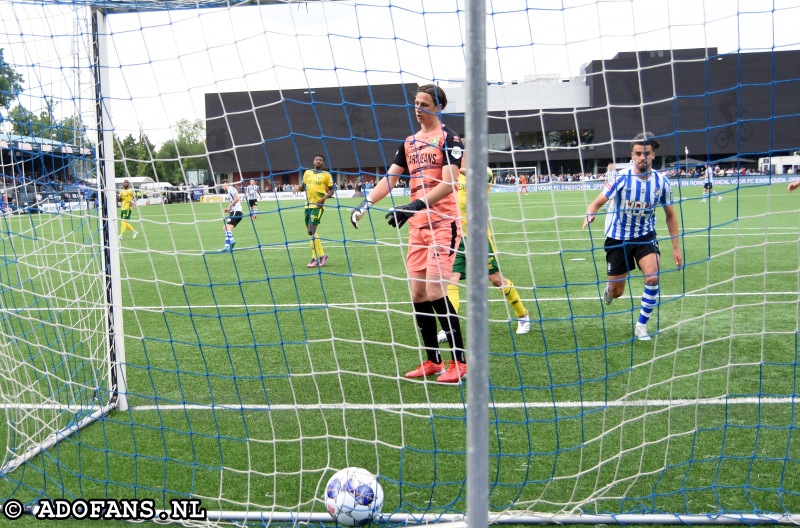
{"x": 358, "y": 212}
{"x": 400, "y": 214}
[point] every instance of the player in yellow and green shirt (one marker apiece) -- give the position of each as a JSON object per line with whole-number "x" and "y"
{"x": 126, "y": 197}
{"x": 495, "y": 277}
{"x": 318, "y": 186}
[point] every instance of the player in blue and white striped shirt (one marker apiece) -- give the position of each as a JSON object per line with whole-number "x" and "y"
{"x": 708, "y": 185}
{"x": 235, "y": 210}
{"x": 633, "y": 197}
{"x": 252, "y": 192}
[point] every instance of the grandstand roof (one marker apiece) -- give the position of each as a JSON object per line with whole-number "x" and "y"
{"x": 40, "y": 144}
{"x": 135, "y": 181}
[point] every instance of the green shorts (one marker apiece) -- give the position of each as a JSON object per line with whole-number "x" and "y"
{"x": 460, "y": 265}
{"x": 126, "y": 214}
{"x": 314, "y": 215}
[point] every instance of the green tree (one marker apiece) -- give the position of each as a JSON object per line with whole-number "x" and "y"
{"x": 124, "y": 151}
{"x": 187, "y": 151}
{"x": 23, "y": 121}
{"x": 145, "y": 150}
{"x": 45, "y": 125}
{"x": 133, "y": 156}
{"x": 168, "y": 167}
{"x": 72, "y": 131}
{"x": 10, "y": 83}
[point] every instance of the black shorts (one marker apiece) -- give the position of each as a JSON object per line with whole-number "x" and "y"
{"x": 708, "y": 185}
{"x": 252, "y": 203}
{"x": 234, "y": 218}
{"x": 623, "y": 256}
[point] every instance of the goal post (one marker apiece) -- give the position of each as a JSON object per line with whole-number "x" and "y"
{"x": 107, "y": 196}
{"x": 163, "y": 355}
{"x": 37, "y": 426}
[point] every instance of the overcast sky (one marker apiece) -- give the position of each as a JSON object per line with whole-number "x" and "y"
{"x": 163, "y": 63}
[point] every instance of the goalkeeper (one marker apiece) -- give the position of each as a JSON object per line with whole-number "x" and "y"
{"x": 431, "y": 158}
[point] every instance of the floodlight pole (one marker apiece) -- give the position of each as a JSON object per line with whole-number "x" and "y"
{"x": 477, "y": 283}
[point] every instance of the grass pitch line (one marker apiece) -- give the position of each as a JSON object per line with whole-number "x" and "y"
{"x": 383, "y": 304}
{"x": 746, "y": 400}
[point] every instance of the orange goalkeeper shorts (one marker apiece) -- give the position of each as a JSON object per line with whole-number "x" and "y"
{"x": 432, "y": 250}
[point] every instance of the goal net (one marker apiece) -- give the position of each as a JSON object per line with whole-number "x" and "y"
{"x": 153, "y": 350}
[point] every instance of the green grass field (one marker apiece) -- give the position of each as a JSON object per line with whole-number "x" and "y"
{"x": 252, "y": 378}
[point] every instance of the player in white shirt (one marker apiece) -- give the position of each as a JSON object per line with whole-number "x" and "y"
{"x": 235, "y": 210}
{"x": 708, "y": 186}
{"x": 630, "y": 228}
{"x": 611, "y": 171}
{"x": 252, "y": 192}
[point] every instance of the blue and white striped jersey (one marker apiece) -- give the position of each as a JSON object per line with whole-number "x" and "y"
{"x": 252, "y": 192}
{"x": 632, "y": 204}
{"x": 232, "y": 195}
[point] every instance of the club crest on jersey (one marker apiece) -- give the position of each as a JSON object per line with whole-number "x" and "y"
{"x": 435, "y": 142}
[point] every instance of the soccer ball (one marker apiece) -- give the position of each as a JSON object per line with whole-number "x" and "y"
{"x": 353, "y": 497}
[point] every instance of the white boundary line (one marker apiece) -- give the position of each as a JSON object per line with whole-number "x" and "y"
{"x": 383, "y": 304}
{"x": 752, "y": 400}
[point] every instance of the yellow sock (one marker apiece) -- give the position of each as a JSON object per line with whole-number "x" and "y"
{"x": 125, "y": 227}
{"x": 511, "y": 295}
{"x": 454, "y": 295}
{"x": 316, "y": 247}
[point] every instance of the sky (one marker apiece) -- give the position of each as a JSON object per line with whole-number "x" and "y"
{"x": 162, "y": 63}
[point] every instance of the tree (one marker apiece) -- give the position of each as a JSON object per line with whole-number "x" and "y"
{"x": 10, "y": 83}
{"x": 72, "y": 131}
{"x": 145, "y": 166}
{"x": 124, "y": 154}
{"x": 23, "y": 121}
{"x": 48, "y": 127}
{"x": 133, "y": 157}
{"x": 186, "y": 152}
{"x": 168, "y": 167}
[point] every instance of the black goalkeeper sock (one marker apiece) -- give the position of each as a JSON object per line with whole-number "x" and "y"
{"x": 426, "y": 323}
{"x": 451, "y": 325}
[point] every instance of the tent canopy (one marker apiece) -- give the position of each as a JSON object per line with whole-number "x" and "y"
{"x": 686, "y": 162}
{"x": 736, "y": 159}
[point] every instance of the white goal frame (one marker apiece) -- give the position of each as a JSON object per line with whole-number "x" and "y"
{"x": 478, "y": 395}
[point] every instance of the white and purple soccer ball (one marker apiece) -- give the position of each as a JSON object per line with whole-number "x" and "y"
{"x": 354, "y": 497}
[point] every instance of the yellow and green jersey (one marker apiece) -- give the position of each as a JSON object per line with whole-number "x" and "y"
{"x": 126, "y": 198}
{"x": 462, "y": 198}
{"x": 316, "y": 184}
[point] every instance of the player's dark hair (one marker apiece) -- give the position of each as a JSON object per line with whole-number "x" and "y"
{"x": 320, "y": 156}
{"x": 436, "y": 93}
{"x": 645, "y": 138}
{"x": 224, "y": 181}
